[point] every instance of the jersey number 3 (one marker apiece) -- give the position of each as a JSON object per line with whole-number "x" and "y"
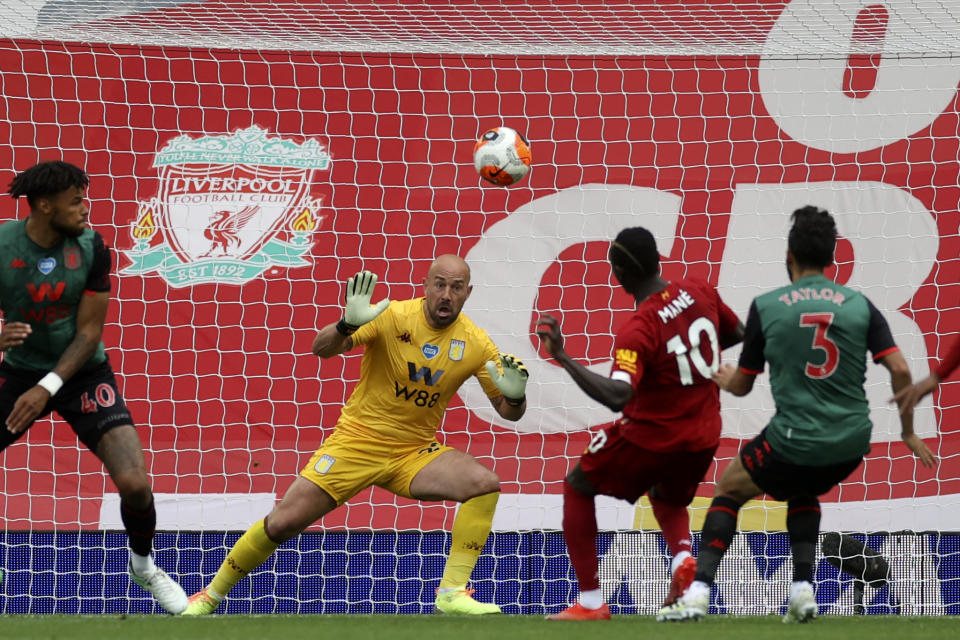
{"x": 690, "y": 351}
{"x": 821, "y": 322}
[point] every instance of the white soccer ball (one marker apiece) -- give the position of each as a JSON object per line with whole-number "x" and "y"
{"x": 502, "y": 156}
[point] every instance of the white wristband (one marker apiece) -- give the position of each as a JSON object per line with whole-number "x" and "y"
{"x": 51, "y": 382}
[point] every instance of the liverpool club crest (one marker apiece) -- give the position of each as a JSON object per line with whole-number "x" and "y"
{"x": 228, "y": 208}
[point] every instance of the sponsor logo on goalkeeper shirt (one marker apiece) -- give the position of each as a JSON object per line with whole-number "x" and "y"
{"x": 228, "y": 208}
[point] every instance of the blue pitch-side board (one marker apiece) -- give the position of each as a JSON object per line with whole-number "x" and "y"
{"x": 366, "y": 572}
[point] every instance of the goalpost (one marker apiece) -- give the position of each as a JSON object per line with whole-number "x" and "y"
{"x": 350, "y": 126}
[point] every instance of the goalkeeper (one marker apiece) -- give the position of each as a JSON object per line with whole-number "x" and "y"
{"x": 418, "y": 353}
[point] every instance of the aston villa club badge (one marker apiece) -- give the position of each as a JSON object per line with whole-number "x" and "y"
{"x": 71, "y": 258}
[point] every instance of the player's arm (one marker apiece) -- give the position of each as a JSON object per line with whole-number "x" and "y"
{"x": 336, "y": 338}
{"x": 900, "y": 379}
{"x": 908, "y": 397}
{"x": 739, "y": 380}
{"x": 885, "y": 351}
{"x": 330, "y": 342}
{"x": 13, "y": 334}
{"x": 511, "y": 380}
{"x": 732, "y": 338}
{"x": 91, "y": 316}
{"x": 613, "y": 394}
{"x": 730, "y": 330}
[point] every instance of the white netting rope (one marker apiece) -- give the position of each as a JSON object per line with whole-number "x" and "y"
{"x": 808, "y": 28}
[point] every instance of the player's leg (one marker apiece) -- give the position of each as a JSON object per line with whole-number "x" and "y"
{"x": 455, "y": 475}
{"x": 303, "y": 504}
{"x": 335, "y": 473}
{"x": 120, "y": 451}
{"x": 612, "y": 466}
{"x": 580, "y": 535}
{"x": 734, "y": 488}
{"x": 91, "y": 403}
{"x": 803, "y": 484}
{"x": 669, "y": 499}
{"x": 803, "y": 525}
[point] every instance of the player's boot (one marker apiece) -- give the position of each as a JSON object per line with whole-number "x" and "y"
{"x": 461, "y": 602}
{"x": 803, "y": 605}
{"x": 579, "y": 612}
{"x": 201, "y": 604}
{"x": 682, "y": 578}
{"x": 165, "y": 590}
{"x": 692, "y": 605}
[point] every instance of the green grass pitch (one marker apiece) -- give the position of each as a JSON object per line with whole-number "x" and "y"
{"x": 342, "y": 627}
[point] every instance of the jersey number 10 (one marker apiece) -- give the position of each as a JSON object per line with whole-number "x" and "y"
{"x": 690, "y": 351}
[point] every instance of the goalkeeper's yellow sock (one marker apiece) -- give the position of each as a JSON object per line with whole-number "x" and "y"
{"x": 250, "y": 551}
{"x": 470, "y": 530}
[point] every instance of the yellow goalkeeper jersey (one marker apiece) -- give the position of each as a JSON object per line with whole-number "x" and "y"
{"x": 410, "y": 371}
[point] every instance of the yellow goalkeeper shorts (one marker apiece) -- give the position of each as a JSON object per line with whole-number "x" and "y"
{"x": 345, "y": 465}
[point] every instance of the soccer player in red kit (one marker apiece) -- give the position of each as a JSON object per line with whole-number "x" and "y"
{"x": 661, "y": 381}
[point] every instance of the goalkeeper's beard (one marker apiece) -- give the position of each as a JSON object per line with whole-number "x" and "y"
{"x": 442, "y": 322}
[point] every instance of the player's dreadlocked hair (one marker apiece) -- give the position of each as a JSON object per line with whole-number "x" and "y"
{"x": 813, "y": 237}
{"x": 47, "y": 179}
{"x": 636, "y": 251}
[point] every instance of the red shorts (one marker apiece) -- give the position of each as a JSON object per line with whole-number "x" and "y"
{"x": 619, "y": 468}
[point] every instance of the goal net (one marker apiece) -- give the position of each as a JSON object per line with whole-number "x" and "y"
{"x": 349, "y": 127}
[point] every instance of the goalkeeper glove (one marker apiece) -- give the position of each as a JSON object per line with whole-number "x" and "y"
{"x": 512, "y": 383}
{"x": 358, "y": 310}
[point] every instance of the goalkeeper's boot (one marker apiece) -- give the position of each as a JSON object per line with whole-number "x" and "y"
{"x": 461, "y": 602}
{"x": 803, "y": 606}
{"x": 682, "y": 578}
{"x": 165, "y": 590}
{"x": 202, "y": 603}
{"x": 579, "y": 612}
{"x": 692, "y": 605}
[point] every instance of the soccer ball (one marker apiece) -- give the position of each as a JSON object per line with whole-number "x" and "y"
{"x": 502, "y": 156}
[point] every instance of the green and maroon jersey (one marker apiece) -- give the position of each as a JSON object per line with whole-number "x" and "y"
{"x": 43, "y": 287}
{"x": 815, "y": 334}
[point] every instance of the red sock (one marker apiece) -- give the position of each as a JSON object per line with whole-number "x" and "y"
{"x": 674, "y": 523}
{"x": 580, "y": 532}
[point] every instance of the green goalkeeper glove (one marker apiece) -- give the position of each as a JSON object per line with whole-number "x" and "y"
{"x": 358, "y": 310}
{"x": 512, "y": 383}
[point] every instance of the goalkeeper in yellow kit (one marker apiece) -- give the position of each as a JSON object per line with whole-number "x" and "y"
{"x": 418, "y": 353}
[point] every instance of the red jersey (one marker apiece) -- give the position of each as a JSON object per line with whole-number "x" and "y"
{"x": 667, "y": 351}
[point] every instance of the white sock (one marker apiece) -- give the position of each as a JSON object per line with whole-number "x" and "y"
{"x": 142, "y": 565}
{"x": 799, "y": 585}
{"x": 592, "y": 599}
{"x": 678, "y": 560}
{"x": 697, "y": 589}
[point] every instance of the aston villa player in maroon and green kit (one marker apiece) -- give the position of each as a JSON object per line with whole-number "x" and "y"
{"x": 54, "y": 294}
{"x": 815, "y": 335}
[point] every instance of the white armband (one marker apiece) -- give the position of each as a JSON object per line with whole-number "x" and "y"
{"x": 51, "y": 382}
